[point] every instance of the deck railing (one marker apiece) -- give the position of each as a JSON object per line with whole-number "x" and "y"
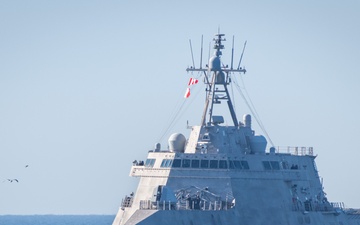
{"x": 329, "y": 207}
{"x": 185, "y": 205}
{"x": 294, "y": 150}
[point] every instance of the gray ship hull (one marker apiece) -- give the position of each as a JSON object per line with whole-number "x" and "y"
{"x": 235, "y": 217}
{"x": 262, "y": 196}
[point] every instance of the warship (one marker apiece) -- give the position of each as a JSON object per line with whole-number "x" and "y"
{"x": 225, "y": 174}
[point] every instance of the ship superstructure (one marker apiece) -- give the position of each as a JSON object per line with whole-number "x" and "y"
{"x": 225, "y": 174}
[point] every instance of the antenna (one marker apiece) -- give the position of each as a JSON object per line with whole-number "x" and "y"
{"x": 232, "y": 53}
{"x": 242, "y": 55}
{"x": 192, "y": 55}
{"x": 201, "y": 51}
{"x": 209, "y": 49}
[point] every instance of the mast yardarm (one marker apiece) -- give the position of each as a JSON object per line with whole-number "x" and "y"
{"x": 217, "y": 80}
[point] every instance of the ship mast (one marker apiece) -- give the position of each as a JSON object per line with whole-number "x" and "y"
{"x": 217, "y": 90}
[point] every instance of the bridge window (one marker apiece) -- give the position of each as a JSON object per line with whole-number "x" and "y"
{"x": 166, "y": 163}
{"x": 204, "y": 163}
{"x": 285, "y": 165}
{"x": 245, "y": 165}
{"x": 214, "y": 164}
{"x": 275, "y": 165}
{"x": 195, "y": 163}
{"x": 235, "y": 164}
{"x": 150, "y": 162}
{"x": 222, "y": 164}
{"x": 186, "y": 163}
{"x": 271, "y": 165}
{"x": 231, "y": 164}
{"x": 163, "y": 163}
{"x": 176, "y": 163}
{"x": 266, "y": 165}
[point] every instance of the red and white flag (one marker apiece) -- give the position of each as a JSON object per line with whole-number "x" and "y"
{"x": 193, "y": 81}
{"x": 187, "y": 93}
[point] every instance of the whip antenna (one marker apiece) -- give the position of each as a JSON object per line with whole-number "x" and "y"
{"x": 192, "y": 55}
{"x": 242, "y": 55}
{"x": 232, "y": 53}
{"x": 201, "y": 51}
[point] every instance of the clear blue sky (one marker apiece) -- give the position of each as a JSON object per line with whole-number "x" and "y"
{"x": 86, "y": 87}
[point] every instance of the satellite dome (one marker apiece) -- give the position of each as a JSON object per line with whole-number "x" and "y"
{"x": 258, "y": 144}
{"x": 215, "y": 63}
{"x": 177, "y": 142}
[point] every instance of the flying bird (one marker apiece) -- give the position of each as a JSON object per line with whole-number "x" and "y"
{"x": 11, "y": 180}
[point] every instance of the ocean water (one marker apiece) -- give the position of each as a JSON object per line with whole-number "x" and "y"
{"x": 57, "y": 220}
